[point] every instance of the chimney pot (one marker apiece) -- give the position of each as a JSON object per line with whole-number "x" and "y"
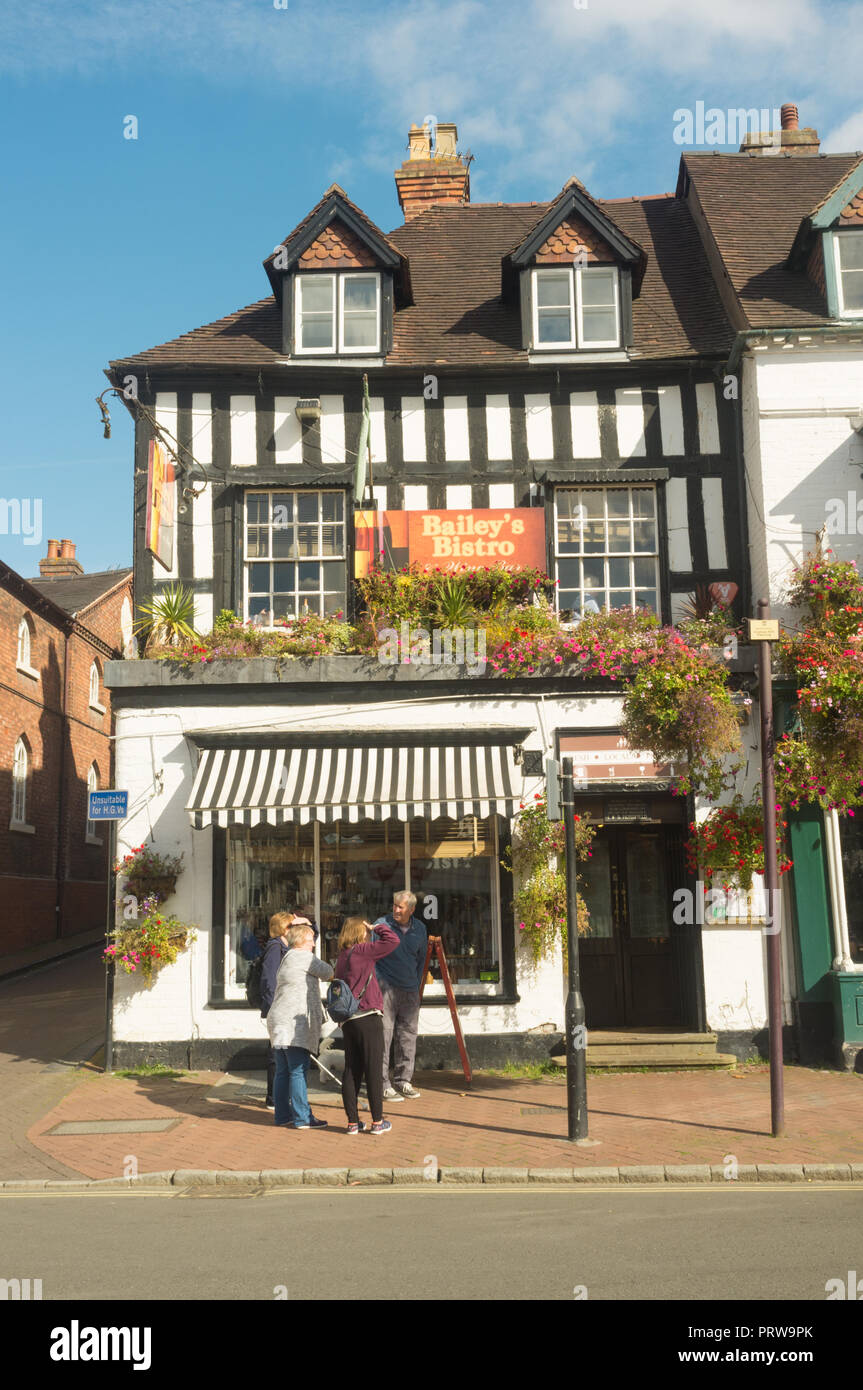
{"x": 67, "y": 550}
{"x": 790, "y": 116}
{"x": 427, "y": 181}
{"x": 53, "y": 550}
{"x": 60, "y": 560}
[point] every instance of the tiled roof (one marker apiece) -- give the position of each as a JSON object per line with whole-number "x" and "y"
{"x": 458, "y": 317}
{"x": 310, "y": 216}
{"x": 76, "y": 592}
{"x": 754, "y": 206}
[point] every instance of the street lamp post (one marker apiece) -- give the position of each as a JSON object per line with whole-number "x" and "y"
{"x": 576, "y": 1032}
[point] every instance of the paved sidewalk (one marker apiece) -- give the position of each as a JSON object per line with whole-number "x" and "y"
{"x": 219, "y": 1123}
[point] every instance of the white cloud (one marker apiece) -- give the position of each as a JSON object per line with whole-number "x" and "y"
{"x": 846, "y": 137}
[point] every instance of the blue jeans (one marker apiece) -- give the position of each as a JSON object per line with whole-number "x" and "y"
{"x": 289, "y": 1089}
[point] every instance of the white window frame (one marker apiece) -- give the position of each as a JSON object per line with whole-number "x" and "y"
{"x": 366, "y": 347}
{"x": 23, "y": 653}
{"x": 337, "y": 348}
{"x": 90, "y": 836}
{"x": 95, "y": 703}
{"x": 576, "y": 334}
{"x": 556, "y": 270}
{"x": 271, "y": 559}
{"x": 300, "y": 280}
{"x": 606, "y": 555}
{"x": 580, "y": 271}
{"x": 843, "y": 312}
{"x": 20, "y": 757}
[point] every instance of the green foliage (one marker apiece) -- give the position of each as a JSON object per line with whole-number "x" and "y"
{"x": 168, "y": 618}
{"x": 538, "y": 859}
{"x": 823, "y": 761}
{"x": 142, "y": 945}
{"x": 226, "y": 620}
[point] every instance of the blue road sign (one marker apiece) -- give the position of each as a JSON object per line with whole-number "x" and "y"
{"x": 108, "y": 805}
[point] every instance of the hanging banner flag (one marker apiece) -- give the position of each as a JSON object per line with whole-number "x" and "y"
{"x": 361, "y": 469}
{"x": 451, "y": 540}
{"x": 160, "y": 505}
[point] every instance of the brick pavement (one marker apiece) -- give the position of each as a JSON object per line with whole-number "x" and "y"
{"x": 53, "y": 1013}
{"x": 640, "y": 1118}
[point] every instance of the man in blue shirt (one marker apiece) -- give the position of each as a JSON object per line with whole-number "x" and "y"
{"x": 400, "y": 977}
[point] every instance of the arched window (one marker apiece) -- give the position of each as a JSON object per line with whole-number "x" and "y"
{"x": 94, "y": 685}
{"x": 20, "y": 770}
{"x": 23, "y": 658}
{"x": 92, "y": 786}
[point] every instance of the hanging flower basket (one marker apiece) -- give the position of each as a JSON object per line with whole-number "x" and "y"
{"x": 148, "y": 874}
{"x": 157, "y": 888}
{"x": 141, "y": 946}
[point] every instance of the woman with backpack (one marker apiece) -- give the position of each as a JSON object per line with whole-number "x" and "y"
{"x": 363, "y": 1032}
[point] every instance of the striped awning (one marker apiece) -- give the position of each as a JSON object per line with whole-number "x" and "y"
{"x": 281, "y": 786}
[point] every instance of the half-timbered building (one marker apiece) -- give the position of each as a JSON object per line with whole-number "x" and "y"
{"x": 561, "y": 357}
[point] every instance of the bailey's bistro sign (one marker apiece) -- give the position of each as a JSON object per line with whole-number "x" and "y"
{"x": 477, "y": 539}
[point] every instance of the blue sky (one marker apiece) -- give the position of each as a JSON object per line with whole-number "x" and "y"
{"x": 247, "y": 111}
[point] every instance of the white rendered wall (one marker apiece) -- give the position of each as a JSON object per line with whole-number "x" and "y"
{"x": 153, "y": 741}
{"x": 797, "y": 462}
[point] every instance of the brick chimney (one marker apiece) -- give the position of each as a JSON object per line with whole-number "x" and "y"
{"x": 792, "y": 140}
{"x": 432, "y": 178}
{"x": 60, "y": 561}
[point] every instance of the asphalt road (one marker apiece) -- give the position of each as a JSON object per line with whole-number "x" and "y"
{"x": 615, "y": 1245}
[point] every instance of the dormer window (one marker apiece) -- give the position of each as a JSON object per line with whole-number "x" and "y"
{"x": 338, "y": 313}
{"x": 849, "y": 273}
{"x": 576, "y": 307}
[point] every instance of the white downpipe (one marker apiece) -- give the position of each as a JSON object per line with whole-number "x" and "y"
{"x": 842, "y": 959}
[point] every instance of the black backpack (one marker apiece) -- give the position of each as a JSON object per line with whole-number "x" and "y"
{"x": 253, "y": 982}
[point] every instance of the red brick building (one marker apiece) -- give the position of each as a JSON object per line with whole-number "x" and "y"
{"x": 56, "y": 632}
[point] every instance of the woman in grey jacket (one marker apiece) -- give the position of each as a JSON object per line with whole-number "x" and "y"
{"x": 294, "y": 1024}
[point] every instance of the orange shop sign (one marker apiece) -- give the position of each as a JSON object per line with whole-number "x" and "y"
{"x": 512, "y": 539}
{"x": 160, "y": 505}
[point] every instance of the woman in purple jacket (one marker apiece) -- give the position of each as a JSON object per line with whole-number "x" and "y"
{"x": 364, "y": 1031}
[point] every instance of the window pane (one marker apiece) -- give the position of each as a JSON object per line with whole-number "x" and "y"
{"x": 268, "y": 870}
{"x": 316, "y": 294}
{"x": 334, "y": 603}
{"x": 597, "y": 287}
{"x": 554, "y": 287}
{"x": 620, "y": 598}
{"x": 554, "y": 327}
{"x": 646, "y": 598}
{"x": 307, "y": 506}
{"x": 594, "y": 573}
{"x": 567, "y": 573}
{"x": 257, "y": 506}
{"x": 645, "y": 572}
{"x": 362, "y": 865}
{"x": 599, "y": 326}
{"x": 642, "y": 502}
{"x": 258, "y": 605}
{"x": 283, "y": 607}
{"x": 618, "y": 573}
{"x": 334, "y": 577}
{"x": 851, "y": 250}
{"x": 307, "y": 540}
{"x": 361, "y": 330}
{"x": 283, "y": 542}
{"x": 644, "y": 534}
{"x": 309, "y": 576}
{"x": 317, "y": 333}
{"x": 332, "y": 506}
{"x": 283, "y": 508}
{"x": 259, "y": 579}
{"x": 332, "y": 540}
{"x": 258, "y": 542}
{"x": 360, "y": 292}
{"x": 454, "y": 861}
{"x": 852, "y": 289}
{"x": 284, "y": 579}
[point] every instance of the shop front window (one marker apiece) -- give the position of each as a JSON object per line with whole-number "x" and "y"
{"x": 851, "y": 840}
{"x": 454, "y": 874}
{"x": 332, "y": 871}
{"x": 269, "y": 871}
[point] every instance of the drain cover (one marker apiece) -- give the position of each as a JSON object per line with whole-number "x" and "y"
{"x": 113, "y": 1126}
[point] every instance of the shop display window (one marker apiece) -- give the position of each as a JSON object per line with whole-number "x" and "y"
{"x": 331, "y": 871}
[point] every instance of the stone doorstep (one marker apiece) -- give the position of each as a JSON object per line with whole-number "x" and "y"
{"x": 268, "y": 1179}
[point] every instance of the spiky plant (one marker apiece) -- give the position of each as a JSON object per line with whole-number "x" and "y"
{"x": 168, "y": 618}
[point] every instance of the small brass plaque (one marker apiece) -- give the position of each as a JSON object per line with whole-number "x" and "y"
{"x": 763, "y": 629}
